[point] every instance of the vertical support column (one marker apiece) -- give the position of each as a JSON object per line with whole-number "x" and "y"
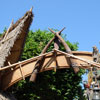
{"x": 56, "y": 46}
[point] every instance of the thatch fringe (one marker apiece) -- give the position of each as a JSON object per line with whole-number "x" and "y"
{"x": 7, "y": 42}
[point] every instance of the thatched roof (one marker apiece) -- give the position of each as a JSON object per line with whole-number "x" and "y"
{"x": 12, "y": 42}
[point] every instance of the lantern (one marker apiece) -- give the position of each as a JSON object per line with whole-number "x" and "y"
{"x": 96, "y": 92}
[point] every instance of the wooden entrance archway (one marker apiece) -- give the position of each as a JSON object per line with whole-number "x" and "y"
{"x": 20, "y": 70}
{"x": 53, "y": 60}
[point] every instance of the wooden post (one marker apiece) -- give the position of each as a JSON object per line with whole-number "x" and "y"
{"x": 38, "y": 65}
{"x": 21, "y": 70}
{"x": 56, "y": 46}
{"x": 68, "y": 50}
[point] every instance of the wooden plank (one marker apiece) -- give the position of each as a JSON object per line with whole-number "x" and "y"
{"x": 81, "y": 59}
{"x": 15, "y": 75}
{"x": 24, "y": 62}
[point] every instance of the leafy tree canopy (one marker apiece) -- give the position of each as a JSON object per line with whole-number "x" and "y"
{"x": 61, "y": 85}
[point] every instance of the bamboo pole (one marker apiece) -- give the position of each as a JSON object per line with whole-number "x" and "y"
{"x": 12, "y": 22}
{"x": 31, "y": 9}
{"x": 22, "y": 62}
{"x": 82, "y": 59}
{"x": 21, "y": 70}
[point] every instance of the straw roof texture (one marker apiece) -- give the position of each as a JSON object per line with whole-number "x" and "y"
{"x": 12, "y": 42}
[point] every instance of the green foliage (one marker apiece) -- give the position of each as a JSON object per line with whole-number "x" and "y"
{"x": 61, "y": 85}
{"x": 4, "y": 31}
{"x": 35, "y": 42}
{"x": 0, "y": 34}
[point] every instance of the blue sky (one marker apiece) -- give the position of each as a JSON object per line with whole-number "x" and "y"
{"x": 80, "y": 17}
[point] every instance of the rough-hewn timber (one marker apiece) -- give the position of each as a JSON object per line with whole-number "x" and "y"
{"x": 27, "y": 66}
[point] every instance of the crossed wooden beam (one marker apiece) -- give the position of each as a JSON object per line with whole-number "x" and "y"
{"x": 57, "y": 39}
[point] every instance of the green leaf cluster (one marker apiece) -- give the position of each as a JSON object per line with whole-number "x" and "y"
{"x": 61, "y": 85}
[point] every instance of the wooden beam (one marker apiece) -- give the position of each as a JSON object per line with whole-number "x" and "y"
{"x": 21, "y": 70}
{"x": 38, "y": 64}
{"x": 25, "y": 61}
{"x": 12, "y": 22}
{"x": 84, "y": 60}
{"x": 73, "y": 63}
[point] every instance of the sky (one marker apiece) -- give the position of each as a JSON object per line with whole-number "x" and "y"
{"x": 80, "y": 17}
